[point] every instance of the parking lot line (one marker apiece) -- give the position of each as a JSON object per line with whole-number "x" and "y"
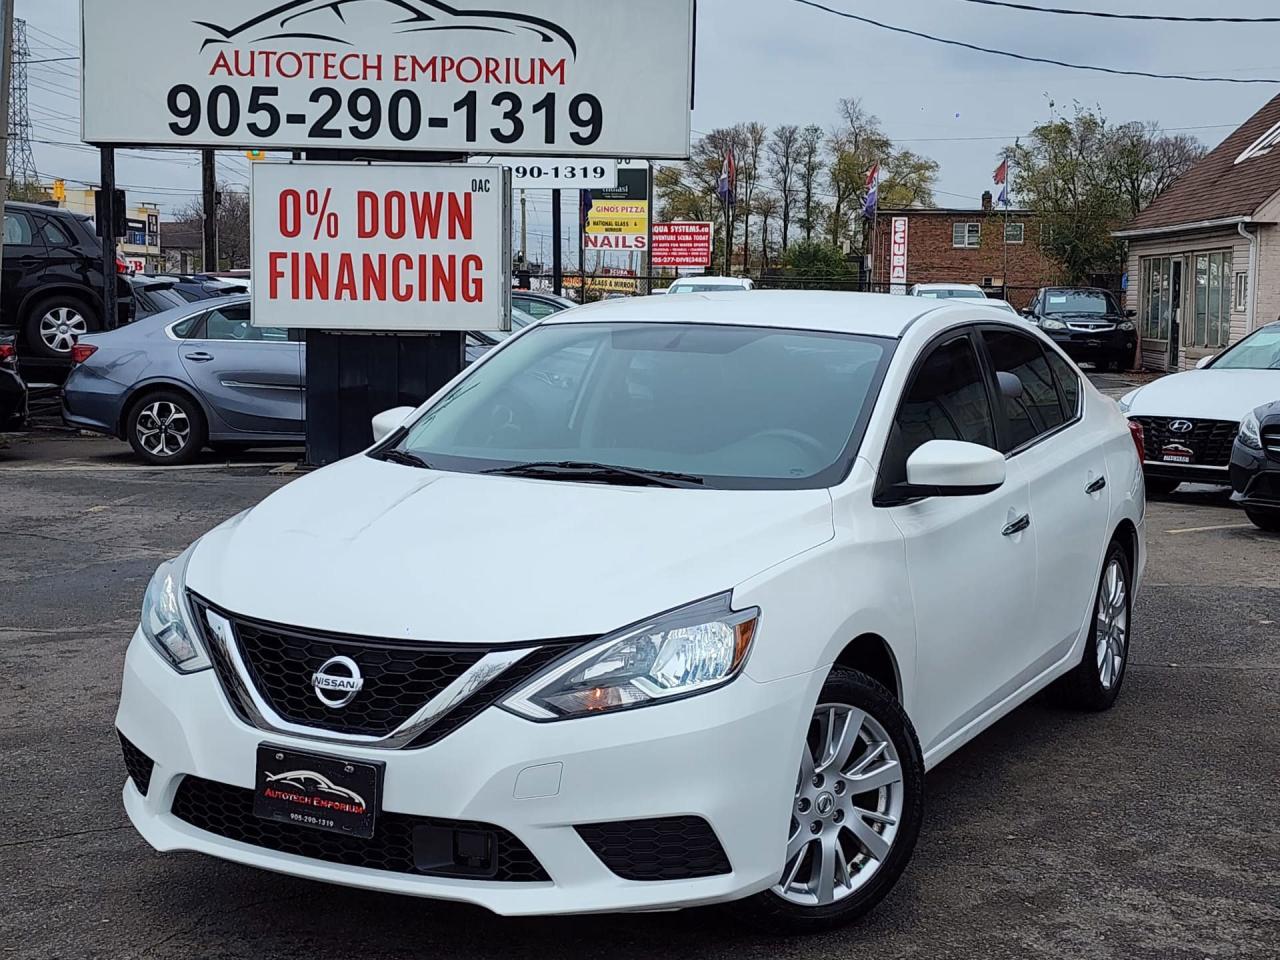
{"x": 1225, "y": 526}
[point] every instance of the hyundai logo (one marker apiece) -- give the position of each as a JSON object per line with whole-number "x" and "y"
{"x": 337, "y": 682}
{"x": 1181, "y": 426}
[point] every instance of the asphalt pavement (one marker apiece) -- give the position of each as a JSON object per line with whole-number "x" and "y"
{"x": 1147, "y": 832}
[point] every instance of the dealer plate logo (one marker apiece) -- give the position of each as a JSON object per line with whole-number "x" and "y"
{"x": 337, "y": 682}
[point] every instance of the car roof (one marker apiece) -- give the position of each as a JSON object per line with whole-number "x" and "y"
{"x": 946, "y": 286}
{"x": 870, "y": 314}
{"x": 736, "y": 281}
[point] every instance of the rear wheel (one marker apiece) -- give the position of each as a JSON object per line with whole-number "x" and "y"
{"x": 858, "y": 805}
{"x": 1267, "y": 520}
{"x": 166, "y": 428}
{"x": 55, "y": 323}
{"x": 1161, "y": 486}
{"x": 1095, "y": 683}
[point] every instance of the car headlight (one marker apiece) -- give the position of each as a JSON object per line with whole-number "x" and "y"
{"x": 166, "y": 621}
{"x": 688, "y": 651}
{"x": 1052, "y": 325}
{"x": 1128, "y": 326}
{"x": 1126, "y": 402}
{"x": 1251, "y": 432}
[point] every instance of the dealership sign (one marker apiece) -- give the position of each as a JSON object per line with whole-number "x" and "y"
{"x": 684, "y": 246}
{"x": 898, "y": 245}
{"x": 543, "y": 77}
{"x": 557, "y": 173}
{"x": 340, "y": 246}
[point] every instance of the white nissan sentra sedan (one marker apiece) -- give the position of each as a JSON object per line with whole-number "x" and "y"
{"x": 779, "y": 555}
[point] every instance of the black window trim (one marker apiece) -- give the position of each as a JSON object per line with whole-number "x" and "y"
{"x": 1003, "y": 428}
{"x": 880, "y": 496}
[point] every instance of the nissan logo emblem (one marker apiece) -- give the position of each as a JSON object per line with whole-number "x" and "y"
{"x": 337, "y": 682}
{"x": 1181, "y": 426}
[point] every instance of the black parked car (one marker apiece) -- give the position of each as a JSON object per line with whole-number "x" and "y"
{"x": 13, "y": 392}
{"x": 53, "y": 285}
{"x": 1087, "y": 324}
{"x": 201, "y": 286}
{"x": 152, "y": 295}
{"x": 1255, "y": 467}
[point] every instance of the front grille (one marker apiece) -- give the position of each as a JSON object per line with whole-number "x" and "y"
{"x": 400, "y": 844}
{"x": 677, "y": 848}
{"x": 399, "y": 677}
{"x": 1271, "y": 442}
{"x": 137, "y": 763}
{"x": 1211, "y": 440}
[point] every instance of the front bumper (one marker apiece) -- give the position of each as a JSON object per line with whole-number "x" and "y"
{"x": 728, "y": 757}
{"x": 1255, "y": 479}
{"x": 1093, "y": 347}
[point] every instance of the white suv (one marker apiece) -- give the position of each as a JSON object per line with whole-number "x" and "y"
{"x": 781, "y": 555}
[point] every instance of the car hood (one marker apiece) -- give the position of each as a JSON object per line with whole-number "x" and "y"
{"x": 377, "y": 549}
{"x": 1207, "y": 394}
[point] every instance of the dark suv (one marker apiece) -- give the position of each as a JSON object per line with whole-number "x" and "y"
{"x": 1087, "y": 324}
{"x": 52, "y": 290}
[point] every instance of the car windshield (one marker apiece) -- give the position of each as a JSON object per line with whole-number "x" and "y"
{"x": 732, "y": 406}
{"x": 1261, "y": 351}
{"x": 1079, "y": 301}
{"x": 960, "y": 294}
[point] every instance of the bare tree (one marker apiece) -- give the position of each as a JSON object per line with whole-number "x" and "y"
{"x": 1145, "y": 161}
{"x": 752, "y": 137}
{"x": 810, "y": 166}
{"x": 234, "y": 251}
{"x": 767, "y": 206}
{"x": 784, "y": 151}
{"x": 854, "y": 148}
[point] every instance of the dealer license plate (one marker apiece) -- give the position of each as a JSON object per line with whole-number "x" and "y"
{"x": 323, "y": 793}
{"x": 1177, "y": 453}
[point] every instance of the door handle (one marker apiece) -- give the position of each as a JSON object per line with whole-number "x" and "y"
{"x": 1097, "y": 486}
{"x": 199, "y": 357}
{"x": 1018, "y": 526}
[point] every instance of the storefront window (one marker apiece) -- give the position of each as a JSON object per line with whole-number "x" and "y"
{"x": 1211, "y": 326}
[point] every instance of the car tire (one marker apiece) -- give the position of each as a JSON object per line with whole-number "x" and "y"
{"x": 1161, "y": 487}
{"x": 166, "y": 428}
{"x": 1264, "y": 519}
{"x": 54, "y": 323}
{"x": 1095, "y": 683}
{"x": 858, "y": 878}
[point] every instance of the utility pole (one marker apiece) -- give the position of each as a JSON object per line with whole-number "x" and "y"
{"x": 6, "y": 77}
{"x": 557, "y": 251}
{"x": 524, "y": 231}
{"x": 209, "y": 178}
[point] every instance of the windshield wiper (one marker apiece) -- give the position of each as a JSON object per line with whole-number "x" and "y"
{"x": 404, "y": 458}
{"x": 600, "y": 472}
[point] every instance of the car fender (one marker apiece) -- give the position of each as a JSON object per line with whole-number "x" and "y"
{"x": 46, "y": 290}
{"x": 171, "y": 383}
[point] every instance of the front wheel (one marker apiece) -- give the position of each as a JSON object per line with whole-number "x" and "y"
{"x": 858, "y": 806}
{"x": 1267, "y": 520}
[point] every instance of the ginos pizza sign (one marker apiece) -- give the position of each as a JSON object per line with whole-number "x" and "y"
{"x": 898, "y": 256}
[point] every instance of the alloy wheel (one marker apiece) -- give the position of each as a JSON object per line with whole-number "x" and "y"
{"x": 848, "y": 806}
{"x": 61, "y": 326}
{"x": 1112, "y": 624}
{"x": 164, "y": 429}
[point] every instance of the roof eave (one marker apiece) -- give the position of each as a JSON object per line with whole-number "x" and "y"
{"x": 1138, "y": 233}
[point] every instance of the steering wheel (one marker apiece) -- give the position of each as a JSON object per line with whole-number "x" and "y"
{"x": 803, "y": 440}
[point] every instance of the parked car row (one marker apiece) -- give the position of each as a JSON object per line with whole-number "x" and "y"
{"x": 13, "y": 391}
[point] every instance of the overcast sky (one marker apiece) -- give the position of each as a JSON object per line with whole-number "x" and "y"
{"x": 777, "y": 61}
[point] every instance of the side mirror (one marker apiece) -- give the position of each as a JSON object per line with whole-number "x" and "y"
{"x": 1204, "y": 362}
{"x": 388, "y": 422}
{"x": 952, "y": 468}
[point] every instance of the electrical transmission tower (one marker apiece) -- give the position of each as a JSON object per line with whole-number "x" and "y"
{"x": 22, "y": 162}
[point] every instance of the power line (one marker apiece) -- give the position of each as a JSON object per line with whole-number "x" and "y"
{"x": 1025, "y": 57}
{"x": 1167, "y": 18}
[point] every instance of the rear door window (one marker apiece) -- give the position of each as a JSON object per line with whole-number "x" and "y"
{"x": 231, "y": 323}
{"x": 54, "y": 235}
{"x": 19, "y": 231}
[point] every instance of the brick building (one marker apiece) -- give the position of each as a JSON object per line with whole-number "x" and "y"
{"x": 1204, "y": 257}
{"x": 967, "y": 246}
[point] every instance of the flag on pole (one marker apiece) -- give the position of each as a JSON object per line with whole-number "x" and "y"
{"x": 1004, "y": 198}
{"x": 1002, "y": 173}
{"x": 873, "y": 202}
{"x": 873, "y": 176}
{"x": 585, "y": 205}
{"x": 727, "y": 186}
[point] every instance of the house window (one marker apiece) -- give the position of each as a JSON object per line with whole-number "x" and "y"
{"x": 967, "y": 235}
{"x": 1211, "y": 308}
{"x": 1015, "y": 232}
{"x": 1155, "y": 312}
{"x": 1242, "y": 293}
